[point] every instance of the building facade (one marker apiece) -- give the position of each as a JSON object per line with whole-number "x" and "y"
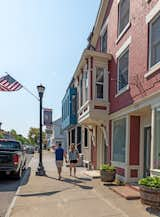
{"x": 118, "y": 88}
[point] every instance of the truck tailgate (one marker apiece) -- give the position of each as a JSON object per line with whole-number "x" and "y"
{"x": 6, "y": 159}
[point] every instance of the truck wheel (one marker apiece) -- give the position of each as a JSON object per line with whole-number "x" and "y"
{"x": 18, "y": 175}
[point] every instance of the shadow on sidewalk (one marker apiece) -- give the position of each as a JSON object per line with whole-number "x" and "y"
{"x": 153, "y": 211}
{"x": 76, "y": 182}
{"x": 40, "y": 194}
{"x": 26, "y": 176}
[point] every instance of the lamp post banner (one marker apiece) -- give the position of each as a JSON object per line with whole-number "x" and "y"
{"x": 47, "y": 114}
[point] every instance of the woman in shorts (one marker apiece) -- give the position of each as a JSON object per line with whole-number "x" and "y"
{"x": 73, "y": 159}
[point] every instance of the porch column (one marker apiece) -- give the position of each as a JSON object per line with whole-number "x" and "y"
{"x": 90, "y": 73}
{"x": 152, "y": 137}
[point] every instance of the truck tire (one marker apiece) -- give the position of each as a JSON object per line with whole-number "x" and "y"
{"x": 18, "y": 174}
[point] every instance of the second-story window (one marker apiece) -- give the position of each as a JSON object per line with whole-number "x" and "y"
{"x": 86, "y": 85}
{"x": 154, "y": 41}
{"x": 104, "y": 41}
{"x": 99, "y": 83}
{"x": 123, "y": 70}
{"x": 124, "y": 9}
{"x": 81, "y": 91}
{"x": 74, "y": 104}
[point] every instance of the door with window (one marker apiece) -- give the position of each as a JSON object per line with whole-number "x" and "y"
{"x": 147, "y": 150}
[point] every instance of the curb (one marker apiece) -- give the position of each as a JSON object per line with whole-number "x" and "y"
{"x": 9, "y": 210}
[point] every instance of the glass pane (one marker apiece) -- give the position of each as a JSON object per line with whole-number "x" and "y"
{"x": 9, "y": 145}
{"x": 104, "y": 42}
{"x": 123, "y": 14}
{"x": 155, "y": 41}
{"x": 123, "y": 70}
{"x": 119, "y": 140}
{"x": 100, "y": 75}
{"x": 99, "y": 88}
{"x": 157, "y": 140}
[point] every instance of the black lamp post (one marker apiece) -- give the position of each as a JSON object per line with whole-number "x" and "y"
{"x": 40, "y": 170}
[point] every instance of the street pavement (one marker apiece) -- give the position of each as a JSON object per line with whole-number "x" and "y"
{"x": 8, "y": 188}
{"x": 72, "y": 197}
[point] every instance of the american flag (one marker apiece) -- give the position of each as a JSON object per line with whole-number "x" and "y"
{"x": 7, "y": 83}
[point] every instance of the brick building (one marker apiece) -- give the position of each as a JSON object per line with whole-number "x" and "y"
{"x": 118, "y": 88}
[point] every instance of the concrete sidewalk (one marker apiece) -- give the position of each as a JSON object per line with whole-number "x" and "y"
{"x": 72, "y": 197}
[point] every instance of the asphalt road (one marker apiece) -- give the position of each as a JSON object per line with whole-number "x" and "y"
{"x": 8, "y": 188}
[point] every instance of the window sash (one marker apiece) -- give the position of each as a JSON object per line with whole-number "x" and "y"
{"x": 119, "y": 140}
{"x": 154, "y": 45}
{"x": 99, "y": 74}
{"x": 123, "y": 15}
{"x": 104, "y": 41}
{"x": 123, "y": 72}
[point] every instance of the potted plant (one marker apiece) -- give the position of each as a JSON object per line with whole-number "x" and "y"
{"x": 107, "y": 173}
{"x": 150, "y": 191}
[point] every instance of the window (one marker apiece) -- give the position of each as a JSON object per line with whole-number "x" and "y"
{"x": 104, "y": 41}
{"x": 85, "y": 137}
{"x": 99, "y": 83}
{"x": 81, "y": 91}
{"x": 154, "y": 41}
{"x": 123, "y": 70}
{"x": 157, "y": 140}
{"x": 74, "y": 104}
{"x": 73, "y": 136}
{"x": 124, "y": 7}
{"x": 86, "y": 85}
{"x": 119, "y": 140}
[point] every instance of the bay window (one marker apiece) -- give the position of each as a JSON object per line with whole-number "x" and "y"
{"x": 99, "y": 83}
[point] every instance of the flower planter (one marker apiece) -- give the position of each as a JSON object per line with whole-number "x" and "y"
{"x": 150, "y": 196}
{"x": 107, "y": 176}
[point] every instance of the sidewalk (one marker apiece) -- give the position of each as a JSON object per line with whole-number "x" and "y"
{"x": 72, "y": 197}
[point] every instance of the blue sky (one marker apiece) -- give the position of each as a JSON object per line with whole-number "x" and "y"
{"x": 40, "y": 42}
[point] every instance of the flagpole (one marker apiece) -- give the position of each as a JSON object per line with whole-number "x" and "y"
{"x": 26, "y": 89}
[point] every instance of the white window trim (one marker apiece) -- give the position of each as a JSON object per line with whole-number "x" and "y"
{"x": 104, "y": 27}
{"x": 119, "y": 92}
{"x": 122, "y": 164}
{"x": 155, "y": 67}
{"x": 153, "y": 12}
{"x": 127, "y": 87}
{"x": 104, "y": 84}
{"x": 124, "y": 47}
{"x": 123, "y": 32}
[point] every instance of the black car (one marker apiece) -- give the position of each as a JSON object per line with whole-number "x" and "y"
{"x": 12, "y": 158}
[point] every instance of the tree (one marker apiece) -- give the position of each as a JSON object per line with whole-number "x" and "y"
{"x": 33, "y": 136}
{"x": 19, "y": 137}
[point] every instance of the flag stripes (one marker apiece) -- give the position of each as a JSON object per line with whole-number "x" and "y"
{"x": 7, "y": 83}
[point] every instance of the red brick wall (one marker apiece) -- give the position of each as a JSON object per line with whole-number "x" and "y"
{"x": 138, "y": 54}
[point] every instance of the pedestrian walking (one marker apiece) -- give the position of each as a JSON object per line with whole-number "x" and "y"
{"x": 60, "y": 154}
{"x": 73, "y": 159}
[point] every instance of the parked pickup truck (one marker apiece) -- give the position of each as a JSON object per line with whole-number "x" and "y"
{"x": 12, "y": 158}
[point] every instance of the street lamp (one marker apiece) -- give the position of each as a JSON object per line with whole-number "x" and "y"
{"x": 40, "y": 170}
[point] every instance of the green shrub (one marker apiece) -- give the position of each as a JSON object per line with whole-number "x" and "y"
{"x": 152, "y": 182}
{"x": 108, "y": 167}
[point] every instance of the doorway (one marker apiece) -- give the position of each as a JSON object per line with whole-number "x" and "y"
{"x": 147, "y": 151}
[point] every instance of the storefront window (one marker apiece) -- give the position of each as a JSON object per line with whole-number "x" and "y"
{"x": 157, "y": 140}
{"x": 119, "y": 140}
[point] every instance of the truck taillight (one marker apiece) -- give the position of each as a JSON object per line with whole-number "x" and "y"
{"x": 15, "y": 159}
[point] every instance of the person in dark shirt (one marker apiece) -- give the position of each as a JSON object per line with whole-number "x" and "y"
{"x": 60, "y": 154}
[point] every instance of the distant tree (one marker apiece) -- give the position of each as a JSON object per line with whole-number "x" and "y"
{"x": 19, "y": 137}
{"x": 33, "y": 136}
